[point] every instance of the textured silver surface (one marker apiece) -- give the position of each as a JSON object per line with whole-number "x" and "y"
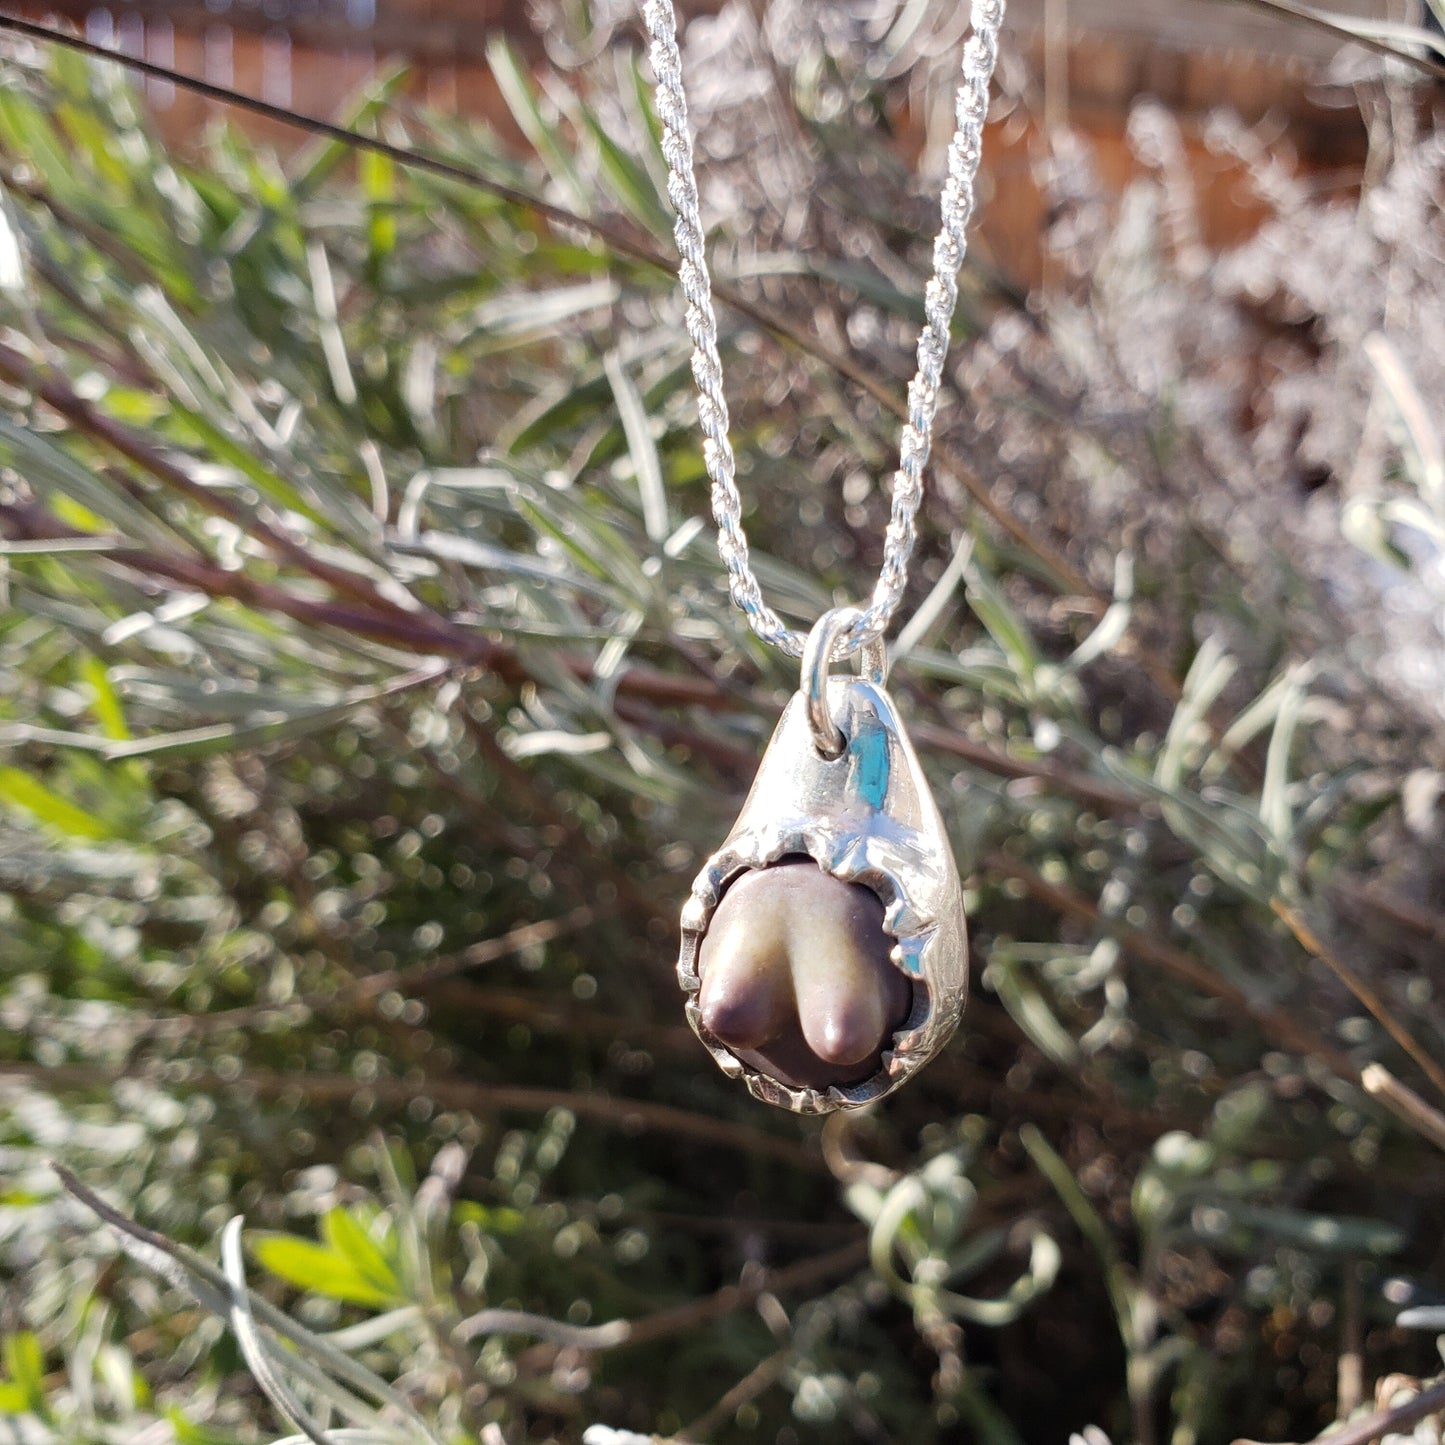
{"x": 971, "y": 108}
{"x": 865, "y": 817}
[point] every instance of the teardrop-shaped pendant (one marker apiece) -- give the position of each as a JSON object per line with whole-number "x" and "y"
{"x": 804, "y": 974}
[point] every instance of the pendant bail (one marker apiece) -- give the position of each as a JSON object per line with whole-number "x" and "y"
{"x": 818, "y": 657}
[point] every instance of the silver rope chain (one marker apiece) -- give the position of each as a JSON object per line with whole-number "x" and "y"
{"x": 940, "y": 299}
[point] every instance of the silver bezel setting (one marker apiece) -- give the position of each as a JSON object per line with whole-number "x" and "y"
{"x": 864, "y": 817}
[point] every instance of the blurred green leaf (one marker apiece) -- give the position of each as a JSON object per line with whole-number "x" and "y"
{"x": 321, "y": 1268}
{"x": 347, "y": 1237}
{"x": 24, "y": 1362}
{"x": 109, "y": 712}
{"x": 378, "y": 184}
{"x": 21, "y": 790}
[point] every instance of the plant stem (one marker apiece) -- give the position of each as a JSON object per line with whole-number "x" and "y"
{"x": 1389, "y": 1421}
{"x": 1285, "y": 1030}
{"x": 1364, "y": 992}
{"x": 1379, "y": 1083}
{"x": 629, "y": 1115}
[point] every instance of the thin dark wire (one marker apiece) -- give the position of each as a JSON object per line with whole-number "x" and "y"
{"x": 417, "y": 160}
{"x": 466, "y": 176}
{"x": 1316, "y": 21}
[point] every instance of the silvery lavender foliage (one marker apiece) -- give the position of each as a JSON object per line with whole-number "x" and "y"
{"x": 1278, "y": 401}
{"x": 1364, "y": 283}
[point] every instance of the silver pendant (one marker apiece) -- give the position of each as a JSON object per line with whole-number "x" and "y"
{"x": 840, "y": 784}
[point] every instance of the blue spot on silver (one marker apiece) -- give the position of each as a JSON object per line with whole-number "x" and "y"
{"x": 911, "y": 952}
{"x": 868, "y": 766}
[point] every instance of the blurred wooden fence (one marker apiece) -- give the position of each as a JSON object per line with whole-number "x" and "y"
{"x": 1095, "y": 57}
{"x": 1192, "y": 54}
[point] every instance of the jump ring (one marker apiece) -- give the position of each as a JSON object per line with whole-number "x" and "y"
{"x": 828, "y": 632}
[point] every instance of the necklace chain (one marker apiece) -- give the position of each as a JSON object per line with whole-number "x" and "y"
{"x": 940, "y": 299}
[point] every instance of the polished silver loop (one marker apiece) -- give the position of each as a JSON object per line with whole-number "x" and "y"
{"x": 940, "y": 298}
{"x": 826, "y": 644}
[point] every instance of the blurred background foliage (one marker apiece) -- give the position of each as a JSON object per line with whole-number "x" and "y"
{"x": 370, "y": 696}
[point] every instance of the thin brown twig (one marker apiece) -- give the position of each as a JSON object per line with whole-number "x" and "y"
{"x": 366, "y": 988}
{"x": 1350, "y": 1372}
{"x": 1364, "y": 992}
{"x": 1389, "y": 1421}
{"x": 723, "y": 755}
{"x": 1426, "y": 1120}
{"x": 457, "y": 1000}
{"x": 806, "y": 1274}
{"x": 112, "y": 1216}
{"x": 630, "y": 1115}
{"x": 394, "y": 629}
{"x": 487, "y": 950}
{"x": 761, "y": 1377}
{"x": 1285, "y": 1029}
{"x": 546, "y": 1015}
{"x": 89, "y": 420}
{"x": 677, "y": 1319}
{"x": 1102, "y": 796}
{"x": 1302, "y": 15}
{"x": 416, "y": 633}
{"x": 1412, "y": 916}
{"x": 736, "y": 1225}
